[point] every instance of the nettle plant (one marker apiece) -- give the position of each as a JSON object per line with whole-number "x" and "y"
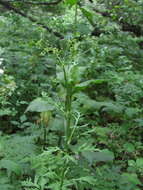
{"x": 64, "y": 166}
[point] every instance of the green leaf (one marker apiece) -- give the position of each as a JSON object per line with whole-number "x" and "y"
{"x": 131, "y": 112}
{"x": 89, "y": 179}
{"x": 131, "y": 163}
{"x": 11, "y": 166}
{"x": 40, "y": 105}
{"x": 102, "y": 156}
{"x": 112, "y": 107}
{"x": 85, "y": 84}
{"x": 139, "y": 122}
{"x": 132, "y": 178}
{"x": 57, "y": 124}
{"x": 76, "y": 73}
{"x": 6, "y": 186}
{"x": 6, "y": 111}
{"x": 88, "y": 15}
{"x": 129, "y": 147}
{"x": 139, "y": 162}
{"x": 23, "y": 118}
{"x": 29, "y": 184}
{"x": 71, "y": 2}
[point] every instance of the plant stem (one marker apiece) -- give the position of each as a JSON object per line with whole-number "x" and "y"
{"x": 68, "y": 103}
{"x": 73, "y": 130}
{"x": 63, "y": 175}
{"x": 44, "y": 135}
{"x": 68, "y": 114}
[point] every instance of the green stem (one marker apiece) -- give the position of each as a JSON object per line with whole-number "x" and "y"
{"x": 65, "y": 75}
{"x": 73, "y": 130}
{"x": 68, "y": 103}
{"x": 63, "y": 175}
{"x": 44, "y": 135}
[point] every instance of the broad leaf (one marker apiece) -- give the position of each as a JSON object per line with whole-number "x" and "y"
{"x": 40, "y": 105}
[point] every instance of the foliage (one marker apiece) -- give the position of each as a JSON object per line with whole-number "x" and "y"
{"x": 71, "y": 88}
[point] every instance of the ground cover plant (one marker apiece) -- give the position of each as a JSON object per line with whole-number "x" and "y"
{"x": 71, "y": 94}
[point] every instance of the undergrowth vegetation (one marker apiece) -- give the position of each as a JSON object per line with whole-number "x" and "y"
{"x": 71, "y": 95}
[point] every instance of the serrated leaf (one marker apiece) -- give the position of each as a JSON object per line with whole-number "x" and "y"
{"x": 29, "y": 184}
